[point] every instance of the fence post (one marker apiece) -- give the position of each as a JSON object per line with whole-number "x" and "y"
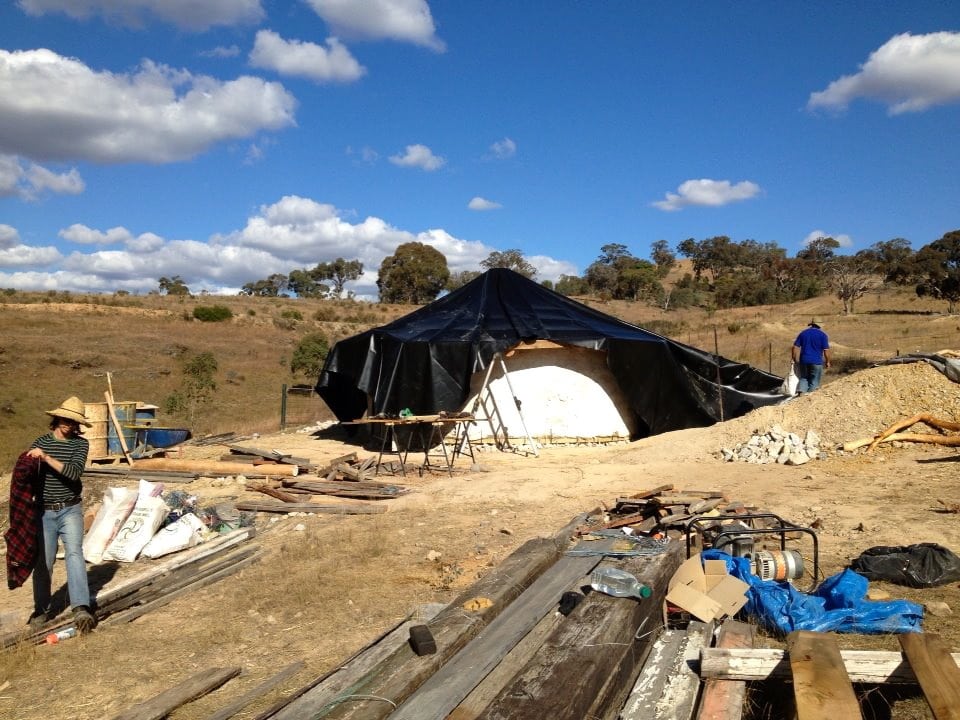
{"x": 283, "y": 408}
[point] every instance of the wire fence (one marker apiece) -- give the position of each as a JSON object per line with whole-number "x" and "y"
{"x": 300, "y": 405}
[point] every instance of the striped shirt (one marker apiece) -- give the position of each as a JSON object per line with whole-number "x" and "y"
{"x": 72, "y": 452}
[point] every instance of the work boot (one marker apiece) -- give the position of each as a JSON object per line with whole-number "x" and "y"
{"x": 37, "y": 620}
{"x": 84, "y": 619}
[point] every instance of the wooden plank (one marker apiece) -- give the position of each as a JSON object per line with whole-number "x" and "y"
{"x": 403, "y": 672}
{"x": 159, "y": 706}
{"x": 272, "y": 455}
{"x": 679, "y": 699}
{"x": 821, "y": 686}
{"x": 116, "y": 424}
{"x": 587, "y": 666}
{"x": 319, "y": 693}
{"x": 447, "y": 687}
{"x": 215, "y": 467}
{"x": 877, "y": 667}
{"x": 723, "y": 700}
{"x": 936, "y": 671}
{"x": 653, "y": 491}
{"x": 273, "y": 492}
{"x": 261, "y": 689}
{"x": 260, "y": 506}
{"x": 472, "y": 705}
{"x": 661, "y": 662}
{"x": 332, "y": 465}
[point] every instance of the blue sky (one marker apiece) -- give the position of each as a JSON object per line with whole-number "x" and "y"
{"x": 149, "y": 138}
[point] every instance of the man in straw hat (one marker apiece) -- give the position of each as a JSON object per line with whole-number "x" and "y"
{"x": 63, "y": 455}
{"x": 811, "y": 354}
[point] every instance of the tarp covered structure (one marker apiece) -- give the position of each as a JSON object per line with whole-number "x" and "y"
{"x": 424, "y": 361}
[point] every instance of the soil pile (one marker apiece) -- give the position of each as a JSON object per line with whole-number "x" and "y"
{"x": 852, "y": 407}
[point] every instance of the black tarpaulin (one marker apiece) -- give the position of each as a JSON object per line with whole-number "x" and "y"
{"x": 424, "y": 360}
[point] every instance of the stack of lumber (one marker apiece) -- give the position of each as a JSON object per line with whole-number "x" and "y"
{"x": 342, "y": 477}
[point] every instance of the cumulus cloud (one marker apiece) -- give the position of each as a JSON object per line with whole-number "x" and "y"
{"x": 503, "y": 149}
{"x": 845, "y": 240}
{"x": 404, "y": 20}
{"x": 28, "y": 183}
{"x": 479, "y": 203}
{"x": 294, "y": 232}
{"x": 418, "y": 156}
{"x": 57, "y": 108}
{"x": 909, "y": 73}
{"x": 9, "y": 237}
{"x": 551, "y": 269}
{"x": 333, "y": 63}
{"x": 185, "y": 14}
{"x": 709, "y": 193}
{"x": 28, "y": 256}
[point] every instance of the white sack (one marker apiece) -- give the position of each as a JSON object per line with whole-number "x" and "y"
{"x": 147, "y": 515}
{"x": 116, "y": 506}
{"x": 790, "y": 382}
{"x": 180, "y": 535}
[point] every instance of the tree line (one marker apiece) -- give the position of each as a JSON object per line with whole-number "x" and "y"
{"x": 724, "y": 273}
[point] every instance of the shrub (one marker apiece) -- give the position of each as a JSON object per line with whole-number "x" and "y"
{"x": 309, "y": 355}
{"x": 291, "y": 314}
{"x": 212, "y": 313}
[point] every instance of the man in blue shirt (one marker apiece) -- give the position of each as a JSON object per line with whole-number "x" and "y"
{"x": 810, "y": 353}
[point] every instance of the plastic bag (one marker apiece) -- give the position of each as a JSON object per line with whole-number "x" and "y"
{"x": 920, "y": 566}
{"x": 791, "y": 382}
{"x": 116, "y": 507}
{"x": 179, "y": 535}
{"x": 147, "y": 515}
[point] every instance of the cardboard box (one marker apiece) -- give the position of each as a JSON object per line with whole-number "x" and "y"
{"x": 706, "y": 590}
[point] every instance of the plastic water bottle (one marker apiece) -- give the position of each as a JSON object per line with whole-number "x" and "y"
{"x": 619, "y": 583}
{"x": 54, "y": 638}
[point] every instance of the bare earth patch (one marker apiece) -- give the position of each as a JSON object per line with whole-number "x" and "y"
{"x": 323, "y": 591}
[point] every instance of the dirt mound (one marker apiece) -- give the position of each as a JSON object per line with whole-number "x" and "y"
{"x": 855, "y": 406}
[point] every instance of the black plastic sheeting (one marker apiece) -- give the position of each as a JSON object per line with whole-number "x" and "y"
{"x": 424, "y": 360}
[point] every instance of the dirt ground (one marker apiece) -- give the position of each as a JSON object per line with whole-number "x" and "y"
{"x": 329, "y": 584}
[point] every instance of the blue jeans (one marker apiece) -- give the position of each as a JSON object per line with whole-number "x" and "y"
{"x": 809, "y": 374}
{"x": 68, "y": 525}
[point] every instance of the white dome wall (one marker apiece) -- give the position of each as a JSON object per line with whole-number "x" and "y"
{"x": 566, "y": 393}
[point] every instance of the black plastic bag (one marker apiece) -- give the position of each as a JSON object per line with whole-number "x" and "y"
{"x": 920, "y": 566}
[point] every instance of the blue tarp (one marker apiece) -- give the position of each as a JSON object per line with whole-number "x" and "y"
{"x": 838, "y": 605}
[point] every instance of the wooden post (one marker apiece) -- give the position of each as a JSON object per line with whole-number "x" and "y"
{"x": 116, "y": 423}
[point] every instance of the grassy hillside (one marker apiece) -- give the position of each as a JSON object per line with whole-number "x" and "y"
{"x": 55, "y": 345}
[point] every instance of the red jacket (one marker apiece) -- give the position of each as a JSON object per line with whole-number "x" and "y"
{"x": 25, "y": 515}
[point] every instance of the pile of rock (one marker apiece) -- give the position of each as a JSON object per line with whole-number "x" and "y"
{"x": 776, "y": 446}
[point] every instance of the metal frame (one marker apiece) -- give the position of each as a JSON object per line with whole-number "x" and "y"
{"x": 782, "y": 529}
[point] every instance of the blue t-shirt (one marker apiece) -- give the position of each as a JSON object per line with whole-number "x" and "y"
{"x": 812, "y": 342}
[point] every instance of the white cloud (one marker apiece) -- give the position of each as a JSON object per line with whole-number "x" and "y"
{"x": 709, "y": 193}
{"x": 405, "y": 20}
{"x": 185, "y": 14}
{"x": 419, "y": 156}
{"x": 221, "y": 51}
{"x": 845, "y": 240}
{"x": 294, "y": 232}
{"x": 57, "y": 108}
{"x": 479, "y": 203}
{"x": 503, "y": 149}
{"x": 83, "y": 235}
{"x": 910, "y": 73}
{"x": 9, "y": 237}
{"x": 551, "y": 269}
{"x": 333, "y": 63}
{"x": 31, "y": 182}
{"x": 28, "y": 256}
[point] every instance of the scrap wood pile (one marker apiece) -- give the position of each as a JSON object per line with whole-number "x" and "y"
{"x": 342, "y": 477}
{"x": 894, "y": 434}
{"x": 664, "y": 510}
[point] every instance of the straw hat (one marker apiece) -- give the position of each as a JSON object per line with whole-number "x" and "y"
{"x": 815, "y": 322}
{"x": 71, "y": 409}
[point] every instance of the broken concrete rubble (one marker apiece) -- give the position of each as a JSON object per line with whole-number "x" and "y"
{"x": 776, "y": 446}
